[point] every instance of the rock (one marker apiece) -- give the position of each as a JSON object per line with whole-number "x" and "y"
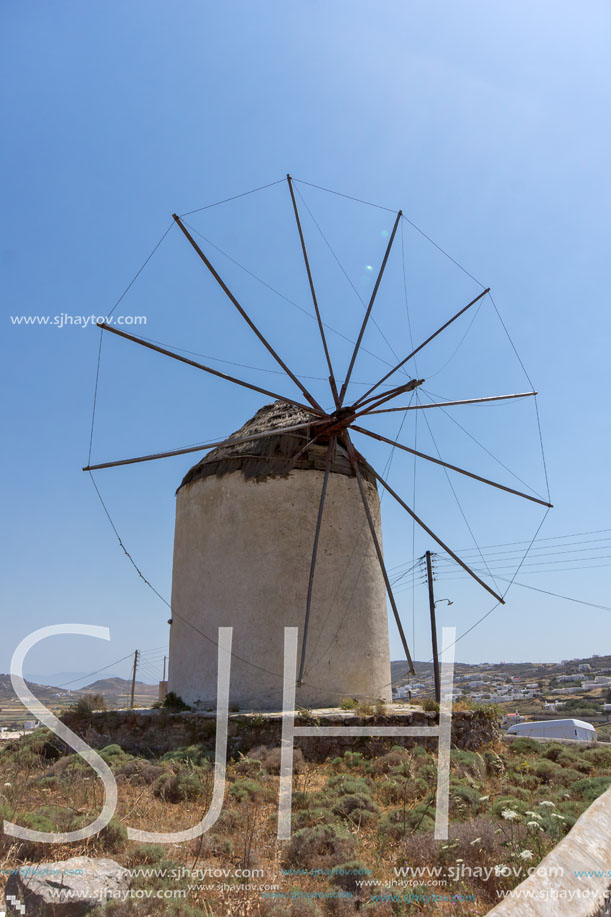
{"x": 69, "y": 888}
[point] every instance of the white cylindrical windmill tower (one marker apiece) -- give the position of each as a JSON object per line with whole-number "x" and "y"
{"x": 245, "y": 521}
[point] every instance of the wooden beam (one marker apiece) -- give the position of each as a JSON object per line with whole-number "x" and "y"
{"x": 304, "y": 250}
{"x": 321, "y": 506}
{"x": 229, "y": 441}
{"x": 393, "y": 604}
{"x": 208, "y": 369}
{"x": 469, "y": 474}
{"x": 445, "y": 404}
{"x": 437, "y": 539}
{"x": 368, "y": 312}
{"x": 364, "y": 399}
{"x": 245, "y": 316}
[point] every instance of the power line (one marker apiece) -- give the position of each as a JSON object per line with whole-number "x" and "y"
{"x": 91, "y": 674}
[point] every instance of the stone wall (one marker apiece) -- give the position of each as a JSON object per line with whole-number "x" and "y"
{"x": 156, "y": 732}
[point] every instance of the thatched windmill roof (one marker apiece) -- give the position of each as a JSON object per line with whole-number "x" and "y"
{"x": 273, "y": 456}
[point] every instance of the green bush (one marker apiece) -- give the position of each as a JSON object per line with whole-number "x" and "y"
{"x": 590, "y": 788}
{"x": 309, "y": 818}
{"x": 249, "y": 767}
{"x": 553, "y": 750}
{"x": 545, "y": 770}
{"x": 344, "y": 784}
{"x": 468, "y": 762}
{"x": 358, "y": 807}
{"x": 508, "y": 802}
{"x": 577, "y": 762}
{"x": 321, "y": 846}
{"x": 399, "y": 822}
{"x": 464, "y": 800}
{"x": 174, "y": 703}
{"x": 349, "y": 703}
{"x": 113, "y": 837}
{"x": 248, "y": 790}
{"x": 178, "y": 787}
{"x": 525, "y": 746}
{"x": 430, "y": 705}
{"x": 346, "y": 875}
{"x": 197, "y": 755}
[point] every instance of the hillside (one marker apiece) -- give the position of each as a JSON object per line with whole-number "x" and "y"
{"x": 362, "y": 822}
{"x": 112, "y": 687}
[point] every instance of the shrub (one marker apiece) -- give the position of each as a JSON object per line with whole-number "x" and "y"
{"x": 343, "y": 784}
{"x": 495, "y": 766}
{"x": 86, "y": 705}
{"x": 113, "y": 837}
{"x": 248, "y": 790}
{"x": 174, "y": 703}
{"x": 349, "y": 703}
{"x": 601, "y": 757}
{"x": 308, "y": 818}
{"x": 464, "y": 799}
{"x": 508, "y": 802}
{"x": 397, "y": 789}
{"x": 524, "y": 746}
{"x": 399, "y": 822}
{"x": 147, "y": 854}
{"x": 349, "y": 802}
{"x": 552, "y": 750}
{"x": 323, "y": 845}
{"x": 347, "y": 875}
{"x": 196, "y": 755}
{"x": 545, "y": 770}
{"x": 395, "y": 758}
{"x": 365, "y": 710}
{"x": 355, "y": 760}
{"x": 270, "y": 758}
{"x": 578, "y": 762}
{"x": 248, "y": 767}
{"x": 140, "y": 772}
{"x": 177, "y": 787}
{"x": 590, "y": 788}
{"x": 468, "y": 762}
{"x": 430, "y": 705}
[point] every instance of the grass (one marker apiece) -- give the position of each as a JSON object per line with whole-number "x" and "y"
{"x": 509, "y": 804}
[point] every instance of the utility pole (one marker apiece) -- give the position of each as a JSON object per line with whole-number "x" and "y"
{"x": 131, "y": 702}
{"x": 429, "y": 573}
{"x": 164, "y": 659}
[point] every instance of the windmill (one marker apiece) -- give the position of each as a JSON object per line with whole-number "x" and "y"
{"x": 271, "y": 519}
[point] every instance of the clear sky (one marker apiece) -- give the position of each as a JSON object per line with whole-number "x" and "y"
{"x": 487, "y": 123}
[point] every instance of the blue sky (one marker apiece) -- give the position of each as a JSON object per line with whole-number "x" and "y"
{"x": 486, "y": 123}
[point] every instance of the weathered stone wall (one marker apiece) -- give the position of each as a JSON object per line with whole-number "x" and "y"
{"x": 158, "y": 732}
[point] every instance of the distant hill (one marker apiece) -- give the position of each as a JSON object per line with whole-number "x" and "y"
{"x": 43, "y": 693}
{"x": 113, "y": 687}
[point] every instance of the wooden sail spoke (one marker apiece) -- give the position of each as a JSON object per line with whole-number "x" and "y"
{"x": 321, "y": 329}
{"x": 321, "y": 506}
{"x": 368, "y": 312}
{"x": 393, "y": 393}
{"x": 437, "y": 539}
{"x": 393, "y": 604}
{"x": 445, "y": 404}
{"x": 469, "y": 474}
{"x": 364, "y": 399}
{"x": 202, "y": 446}
{"x": 245, "y": 316}
{"x": 208, "y": 369}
